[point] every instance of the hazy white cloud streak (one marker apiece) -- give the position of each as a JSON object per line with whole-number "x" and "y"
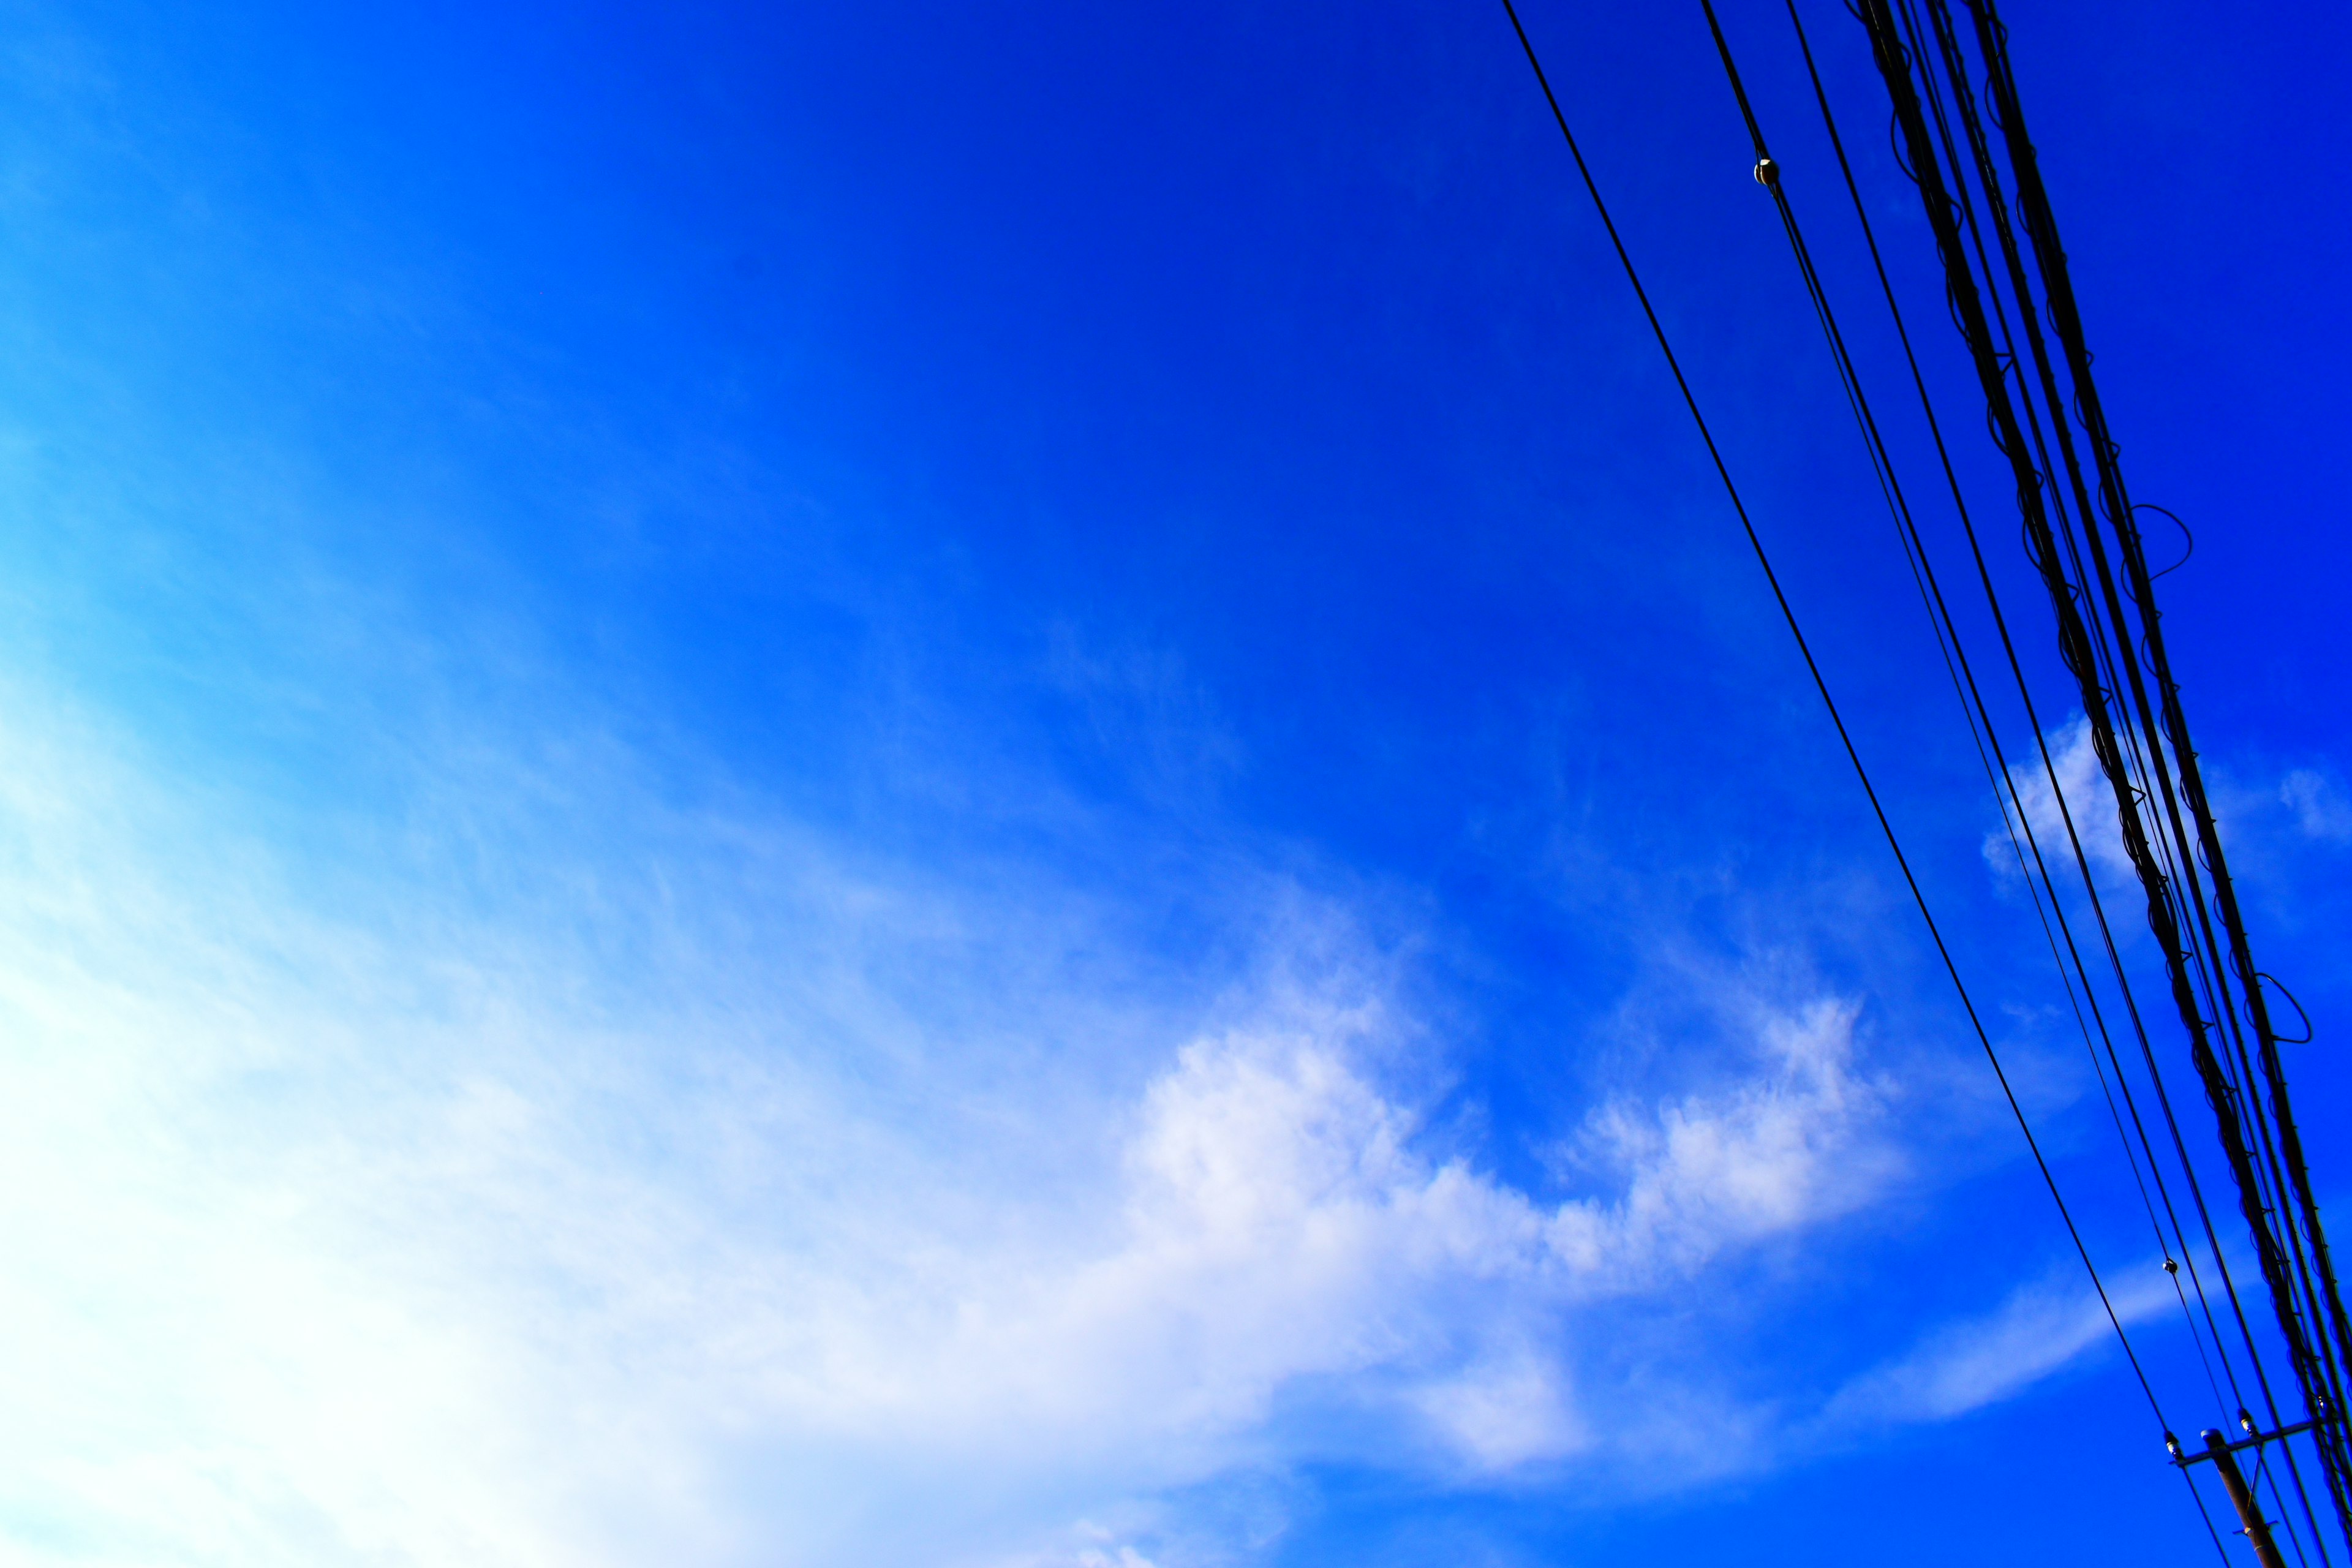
{"x": 848, "y": 1213}
{"x": 1962, "y": 1366}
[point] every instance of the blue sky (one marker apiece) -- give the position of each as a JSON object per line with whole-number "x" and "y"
{"x": 995, "y": 786}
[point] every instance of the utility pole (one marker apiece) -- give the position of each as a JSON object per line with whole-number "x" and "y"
{"x": 2218, "y": 1448}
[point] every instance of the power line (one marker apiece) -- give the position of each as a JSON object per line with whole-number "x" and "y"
{"x": 1946, "y": 632}
{"x": 1820, "y": 685}
{"x": 2067, "y": 321}
{"x": 1959, "y": 202}
{"x": 2058, "y": 795}
{"x": 2137, "y": 753}
{"x": 2144, "y": 752}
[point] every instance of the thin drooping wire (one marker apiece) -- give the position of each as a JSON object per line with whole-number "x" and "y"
{"x": 2087, "y": 660}
{"x": 1960, "y": 207}
{"x": 2335, "y": 1325}
{"x": 1946, "y": 632}
{"x": 2171, "y": 880}
{"x": 1974, "y": 710}
{"x": 2079, "y": 643}
{"x": 1821, "y": 686}
{"x": 1959, "y": 502}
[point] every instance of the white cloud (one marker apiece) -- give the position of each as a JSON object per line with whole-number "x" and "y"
{"x": 2089, "y": 800}
{"x": 1788, "y": 1147}
{"x": 2039, "y": 1329}
{"x": 834, "y": 1213}
{"x": 2320, "y": 810}
{"x": 2247, "y": 813}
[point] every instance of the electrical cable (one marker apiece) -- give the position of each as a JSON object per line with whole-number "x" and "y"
{"x": 2183, "y": 947}
{"x": 2058, "y": 795}
{"x": 2186, "y": 942}
{"x": 1769, "y": 175}
{"x": 2082, "y": 644}
{"x": 2138, "y": 755}
{"x": 1950, "y": 645}
{"x": 1821, "y": 686}
{"x": 2056, "y": 786}
{"x": 2067, "y": 321}
{"x": 2214, "y": 1071}
{"x": 2183, "y": 957}
{"x": 1947, "y": 638}
{"x": 1969, "y": 310}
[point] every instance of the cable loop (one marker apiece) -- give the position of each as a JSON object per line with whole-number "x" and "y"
{"x": 2302, "y": 1039}
{"x": 2188, "y": 547}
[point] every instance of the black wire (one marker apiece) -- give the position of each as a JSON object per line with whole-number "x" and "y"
{"x": 2067, "y": 321}
{"x": 2186, "y": 943}
{"x": 2079, "y": 642}
{"x": 1923, "y": 571}
{"x": 2145, "y": 756}
{"x": 1820, "y": 685}
{"x": 1954, "y": 651}
{"x": 2057, "y": 788}
{"x": 2088, "y": 649}
{"x": 2188, "y": 539}
{"x": 2090, "y": 883}
{"x": 2058, "y": 794}
{"x": 2303, "y": 1038}
{"x": 2091, "y": 650}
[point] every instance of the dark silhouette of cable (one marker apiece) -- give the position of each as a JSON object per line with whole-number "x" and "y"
{"x": 1950, "y": 645}
{"x": 2037, "y": 875}
{"x": 1948, "y": 638}
{"x": 2184, "y": 952}
{"x": 1959, "y": 205}
{"x": 2088, "y": 654}
{"x": 1969, "y": 310}
{"x": 2058, "y": 795}
{"x": 1821, "y": 686}
{"x": 2081, "y": 646}
{"x": 2089, "y": 882}
{"x": 2172, "y": 877}
{"x": 2066, "y": 322}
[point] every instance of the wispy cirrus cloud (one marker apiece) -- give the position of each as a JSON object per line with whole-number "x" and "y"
{"x": 433, "y": 1230}
{"x": 2088, "y": 810}
{"x": 2318, "y": 804}
{"x": 2257, "y": 818}
{"x": 2040, "y": 1329}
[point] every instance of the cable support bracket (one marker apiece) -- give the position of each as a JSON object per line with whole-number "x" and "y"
{"x": 2184, "y": 1458}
